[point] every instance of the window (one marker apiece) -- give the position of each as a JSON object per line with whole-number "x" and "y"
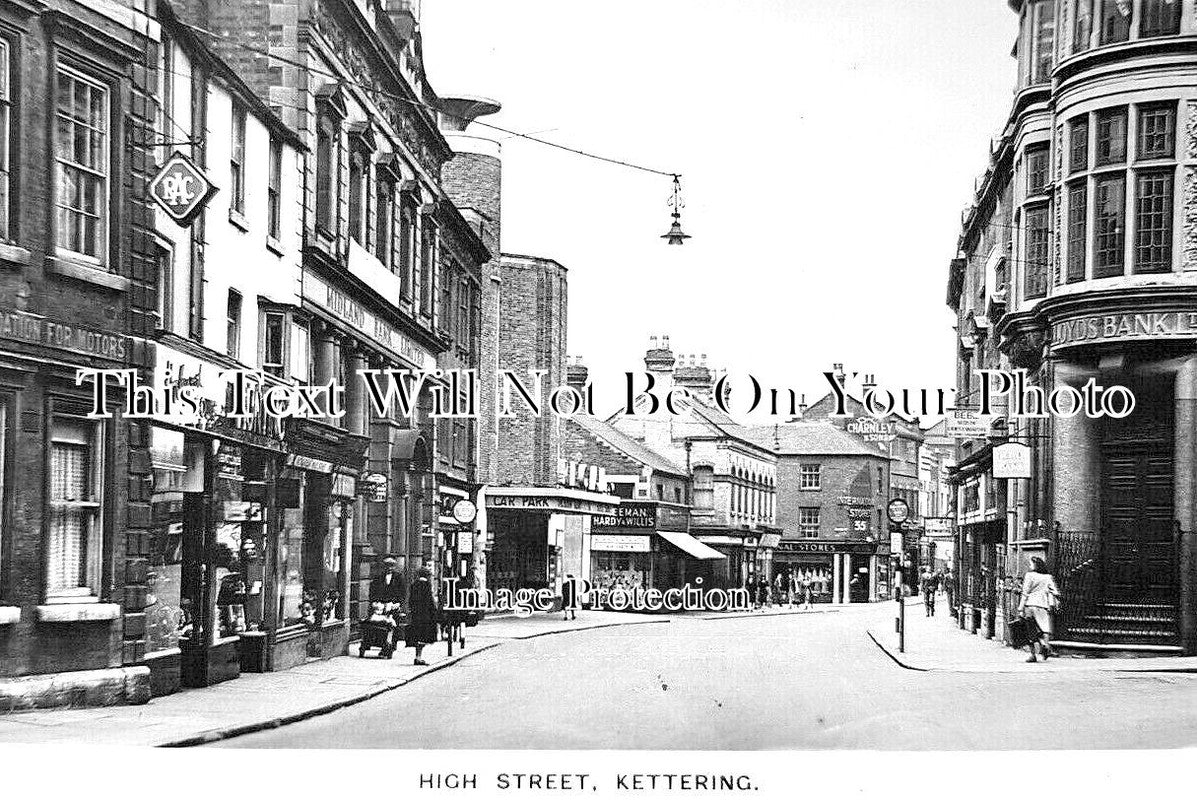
{"x": 237, "y": 161}
{"x": 445, "y": 312}
{"x": 1078, "y": 231}
{"x": 1045, "y": 37}
{"x": 1037, "y": 169}
{"x": 1157, "y": 132}
{"x": 809, "y": 476}
{"x": 75, "y": 501}
{"x": 81, "y": 151}
{"x": 274, "y": 339}
{"x": 5, "y": 117}
{"x": 357, "y": 199}
{"x": 274, "y": 189}
{"x": 233, "y": 321}
{"x": 327, "y": 167}
{"x": 1111, "y": 136}
{"x": 808, "y": 523}
{"x": 1153, "y": 221}
{"x": 1115, "y": 20}
{"x": 428, "y": 266}
{"x": 166, "y": 289}
{"x": 407, "y": 243}
{"x": 677, "y": 493}
{"x": 382, "y": 223}
{"x": 1038, "y": 236}
{"x": 301, "y": 349}
{"x": 704, "y": 487}
{"x": 1078, "y": 138}
{"x": 1109, "y": 223}
{"x": 464, "y": 290}
{"x": 1082, "y": 30}
{"x": 4, "y": 416}
{"x": 880, "y": 480}
{"x": 1160, "y": 18}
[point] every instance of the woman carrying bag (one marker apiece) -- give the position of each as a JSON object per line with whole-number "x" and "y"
{"x": 422, "y": 615}
{"x": 1040, "y": 597}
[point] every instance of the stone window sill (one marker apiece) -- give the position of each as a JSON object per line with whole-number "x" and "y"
{"x": 9, "y": 615}
{"x": 78, "y": 612}
{"x": 86, "y": 272}
{"x": 238, "y": 220}
{"x": 11, "y": 255}
{"x": 274, "y": 246}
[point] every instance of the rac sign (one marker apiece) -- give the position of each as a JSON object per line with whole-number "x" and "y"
{"x": 181, "y": 189}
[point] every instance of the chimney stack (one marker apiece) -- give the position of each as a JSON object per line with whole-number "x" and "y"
{"x": 576, "y": 374}
{"x": 659, "y": 362}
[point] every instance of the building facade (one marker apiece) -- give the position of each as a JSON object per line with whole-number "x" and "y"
{"x": 832, "y": 490}
{"x": 1095, "y": 281}
{"x": 76, "y": 282}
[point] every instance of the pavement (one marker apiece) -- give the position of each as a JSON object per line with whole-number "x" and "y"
{"x": 937, "y": 644}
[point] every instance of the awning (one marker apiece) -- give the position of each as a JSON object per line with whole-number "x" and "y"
{"x": 690, "y": 545}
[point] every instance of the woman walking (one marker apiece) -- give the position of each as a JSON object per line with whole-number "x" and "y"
{"x": 1040, "y": 596}
{"x": 421, "y": 615}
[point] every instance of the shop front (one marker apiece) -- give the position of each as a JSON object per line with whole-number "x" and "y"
{"x": 646, "y": 544}
{"x": 835, "y": 571}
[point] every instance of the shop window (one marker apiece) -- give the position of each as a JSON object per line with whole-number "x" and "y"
{"x": 1160, "y": 18}
{"x": 1153, "y": 221}
{"x": 1037, "y": 169}
{"x": 704, "y": 487}
{"x": 810, "y": 476}
{"x": 1038, "y": 236}
{"x": 808, "y": 522}
{"x": 168, "y": 615}
{"x": 76, "y": 462}
{"x": 1111, "y": 137}
{"x": 1109, "y": 223}
{"x": 5, "y": 134}
{"x": 82, "y": 152}
{"x": 1116, "y": 20}
{"x": 292, "y": 609}
{"x": 1078, "y": 231}
{"x": 233, "y": 324}
{"x": 237, "y": 161}
{"x": 1082, "y": 29}
{"x": 274, "y": 190}
{"x": 1157, "y": 131}
{"x": 327, "y": 169}
{"x": 1078, "y": 138}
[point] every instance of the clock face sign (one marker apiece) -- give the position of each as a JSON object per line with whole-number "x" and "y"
{"x": 464, "y": 511}
{"x": 898, "y": 510}
{"x": 181, "y": 189}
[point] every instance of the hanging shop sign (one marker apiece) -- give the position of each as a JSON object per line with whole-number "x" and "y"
{"x": 937, "y": 527}
{"x": 181, "y": 189}
{"x": 465, "y": 542}
{"x": 343, "y": 485}
{"x": 244, "y": 511}
{"x": 769, "y": 541}
{"x": 373, "y": 487}
{"x": 898, "y": 510}
{"x": 464, "y": 511}
{"x": 1012, "y": 460}
{"x": 966, "y": 423}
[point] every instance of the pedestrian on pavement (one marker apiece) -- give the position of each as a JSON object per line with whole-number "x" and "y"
{"x": 949, "y": 589}
{"x": 808, "y": 594}
{"x": 389, "y": 589}
{"x": 762, "y": 588}
{"x": 569, "y": 597}
{"x": 421, "y": 615}
{"x": 779, "y": 587}
{"x": 1040, "y": 597}
{"x": 793, "y": 587}
{"x": 930, "y": 586}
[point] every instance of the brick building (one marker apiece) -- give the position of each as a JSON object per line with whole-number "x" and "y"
{"x": 77, "y": 268}
{"x": 1075, "y": 263}
{"x": 832, "y": 490}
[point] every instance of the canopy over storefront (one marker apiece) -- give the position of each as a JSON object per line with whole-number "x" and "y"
{"x": 688, "y": 544}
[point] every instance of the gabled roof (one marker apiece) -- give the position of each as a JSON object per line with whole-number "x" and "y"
{"x": 617, "y": 439}
{"x": 812, "y": 439}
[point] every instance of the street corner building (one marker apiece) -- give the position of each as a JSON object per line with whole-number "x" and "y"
{"x": 332, "y": 228}
{"x": 1076, "y": 262}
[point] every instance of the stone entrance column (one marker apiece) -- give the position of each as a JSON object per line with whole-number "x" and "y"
{"x": 1185, "y": 500}
{"x": 1075, "y": 460}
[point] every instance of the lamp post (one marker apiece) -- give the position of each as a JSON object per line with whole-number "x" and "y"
{"x": 675, "y": 234}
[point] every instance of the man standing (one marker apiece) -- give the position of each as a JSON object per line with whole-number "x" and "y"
{"x": 930, "y": 585}
{"x": 570, "y": 599}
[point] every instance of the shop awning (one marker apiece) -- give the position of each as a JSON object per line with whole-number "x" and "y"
{"x": 688, "y": 544}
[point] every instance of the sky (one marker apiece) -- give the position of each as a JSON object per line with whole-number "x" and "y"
{"x": 826, "y": 147}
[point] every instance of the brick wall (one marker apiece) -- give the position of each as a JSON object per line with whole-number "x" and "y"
{"x": 837, "y": 476}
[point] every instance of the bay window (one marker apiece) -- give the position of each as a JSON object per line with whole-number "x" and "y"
{"x": 1115, "y": 20}
{"x": 1109, "y": 223}
{"x": 1157, "y": 131}
{"x": 1153, "y": 221}
{"x": 1082, "y": 25}
{"x": 81, "y": 149}
{"x": 1043, "y": 41}
{"x": 1037, "y": 169}
{"x": 1111, "y": 137}
{"x": 1159, "y": 18}
{"x": 75, "y": 498}
{"x": 285, "y": 350}
{"x": 1038, "y": 236}
{"x": 1078, "y": 236}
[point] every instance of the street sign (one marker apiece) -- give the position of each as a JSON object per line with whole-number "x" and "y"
{"x": 897, "y": 510}
{"x": 181, "y": 189}
{"x": 373, "y": 486}
{"x": 1012, "y": 460}
{"x": 464, "y": 511}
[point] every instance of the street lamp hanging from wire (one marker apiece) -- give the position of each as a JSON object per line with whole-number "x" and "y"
{"x": 675, "y": 234}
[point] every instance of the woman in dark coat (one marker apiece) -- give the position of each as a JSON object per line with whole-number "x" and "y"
{"x": 421, "y": 615}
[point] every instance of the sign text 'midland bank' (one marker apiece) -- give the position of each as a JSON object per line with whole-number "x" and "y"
{"x": 1107, "y": 327}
